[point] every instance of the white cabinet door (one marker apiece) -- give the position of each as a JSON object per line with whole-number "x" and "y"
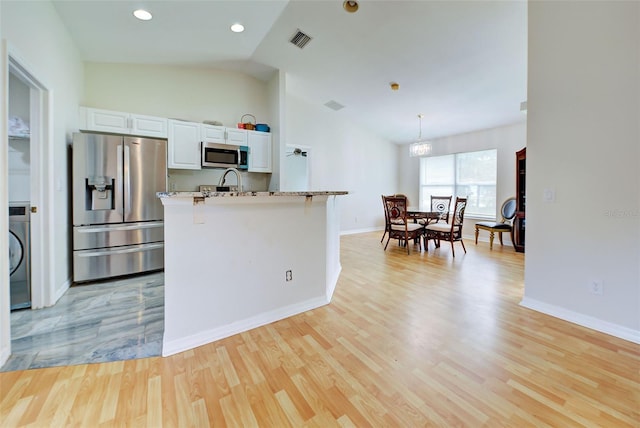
{"x": 237, "y": 136}
{"x": 148, "y": 126}
{"x": 259, "y": 151}
{"x": 93, "y": 119}
{"x": 119, "y": 122}
{"x": 184, "y": 145}
{"x": 213, "y": 134}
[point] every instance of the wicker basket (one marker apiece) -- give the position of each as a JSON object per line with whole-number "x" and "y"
{"x": 249, "y": 125}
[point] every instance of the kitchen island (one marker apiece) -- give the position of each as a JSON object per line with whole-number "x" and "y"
{"x": 238, "y": 260}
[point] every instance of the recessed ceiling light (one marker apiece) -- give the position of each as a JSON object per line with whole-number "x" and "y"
{"x": 142, "y": 14}
{"x": 237, "y": 28}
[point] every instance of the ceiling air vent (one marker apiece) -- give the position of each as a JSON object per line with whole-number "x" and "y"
{"x": 300, "y": 39}
{"x": 334, "y": 105}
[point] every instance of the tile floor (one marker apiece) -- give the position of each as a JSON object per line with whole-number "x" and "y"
{"x": 102, "y": 321}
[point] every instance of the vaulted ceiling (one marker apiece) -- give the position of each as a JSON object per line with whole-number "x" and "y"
{"x": 462, "y": 64}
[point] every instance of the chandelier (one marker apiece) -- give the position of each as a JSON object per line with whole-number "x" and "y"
{"x": 420, "y": 147}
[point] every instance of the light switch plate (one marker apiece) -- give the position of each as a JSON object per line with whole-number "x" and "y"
{"x": 549, "y": 195}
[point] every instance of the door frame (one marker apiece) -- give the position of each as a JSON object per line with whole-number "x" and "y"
{"x": 41, "y": 179}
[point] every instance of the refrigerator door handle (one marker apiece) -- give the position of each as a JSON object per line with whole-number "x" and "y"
{"x": 107, "y": 252}
{"x": 121, "y": 227}
{"x": 127, "y": 179}
{"x": 118, "y": 204}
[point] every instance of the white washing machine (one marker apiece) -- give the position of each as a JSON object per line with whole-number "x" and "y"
{"x": 19, "y": 255}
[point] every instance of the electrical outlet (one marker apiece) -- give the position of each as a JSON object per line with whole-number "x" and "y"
{"x": 288, "y": 276}
{"x": 596, "y": 286}
{"x": 172, "y": 187}
{"x": 549, "y": 195}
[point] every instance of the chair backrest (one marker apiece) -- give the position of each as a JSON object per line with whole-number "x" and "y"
{"x": 508, "y": 210}
{"x": 396, "y": 207}
{"x": 458, "y": 212}
{"x": 386, "y": 212}
{"x": 441, "y": 204}
{"x": 402, "y": 195}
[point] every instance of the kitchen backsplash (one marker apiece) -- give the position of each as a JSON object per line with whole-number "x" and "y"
{"x": 189, "y": 180}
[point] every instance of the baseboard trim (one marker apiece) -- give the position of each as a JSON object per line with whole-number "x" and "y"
{"x": 60, "y": 291}
{"x": 583, "y": 320}
{"x": 482, "y": 238}
{"x": 364, "y": 230}
{"x": 184, "y": 344}
{"x": 331, "y": 286}
{"x": 4, "y": 356}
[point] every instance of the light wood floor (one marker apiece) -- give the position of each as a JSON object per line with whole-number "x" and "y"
{"x": 408, "y": 341}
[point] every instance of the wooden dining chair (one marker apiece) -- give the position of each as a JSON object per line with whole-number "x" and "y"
{"x": 440, "y": 205}
{"x": 387, "y": 220}
{"x": 400, "y": 227}
{"x": 451, "y": 232}
{"x": 387, "y": 225}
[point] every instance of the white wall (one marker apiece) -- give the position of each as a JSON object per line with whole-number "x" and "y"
{"x": 36, "y": 36}
{"x": 506, "y": 139}
{"x": 584, "y": 142}
{"x": 189, "y": 93}
{"x": 344, "y": 157}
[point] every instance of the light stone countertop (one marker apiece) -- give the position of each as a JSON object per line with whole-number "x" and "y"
{"x": 245, "y": 194}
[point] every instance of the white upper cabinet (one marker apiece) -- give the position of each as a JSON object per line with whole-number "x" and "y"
{"x": 237, "y": 136}
{"x": 222, "y": 135}
{"x": 92, "y": 119}
{"x": 213, "y": 134}
{"x": 259, "y": 151}
{"x": 184, "y": 138}
{"x": 149, "y": 126}
{"x": 184, "y": 145}
{"x": 117, "y": 122}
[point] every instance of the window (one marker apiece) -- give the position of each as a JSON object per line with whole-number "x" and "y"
{"x": 471, "y": 175}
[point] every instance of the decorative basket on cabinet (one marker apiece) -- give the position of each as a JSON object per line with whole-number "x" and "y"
{"x": 248, "y": 125}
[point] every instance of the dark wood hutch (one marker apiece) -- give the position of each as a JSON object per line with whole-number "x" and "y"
{"x": 519, "y": 222}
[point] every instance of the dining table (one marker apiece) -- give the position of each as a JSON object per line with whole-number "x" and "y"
{"x": 416, "y": 214}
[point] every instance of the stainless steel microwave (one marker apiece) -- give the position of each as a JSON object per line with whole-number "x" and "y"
{"x": 225, "y": 156}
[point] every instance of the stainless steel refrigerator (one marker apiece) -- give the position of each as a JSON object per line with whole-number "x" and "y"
{"x": 118, "y": 226}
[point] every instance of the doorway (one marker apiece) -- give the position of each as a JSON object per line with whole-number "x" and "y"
{"x": 19, "y": 186}
{"x": 28, "y": 162}
{"x": 297, "y": 163}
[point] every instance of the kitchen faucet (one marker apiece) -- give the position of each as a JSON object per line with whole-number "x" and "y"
{"x": 238, "y": 178}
